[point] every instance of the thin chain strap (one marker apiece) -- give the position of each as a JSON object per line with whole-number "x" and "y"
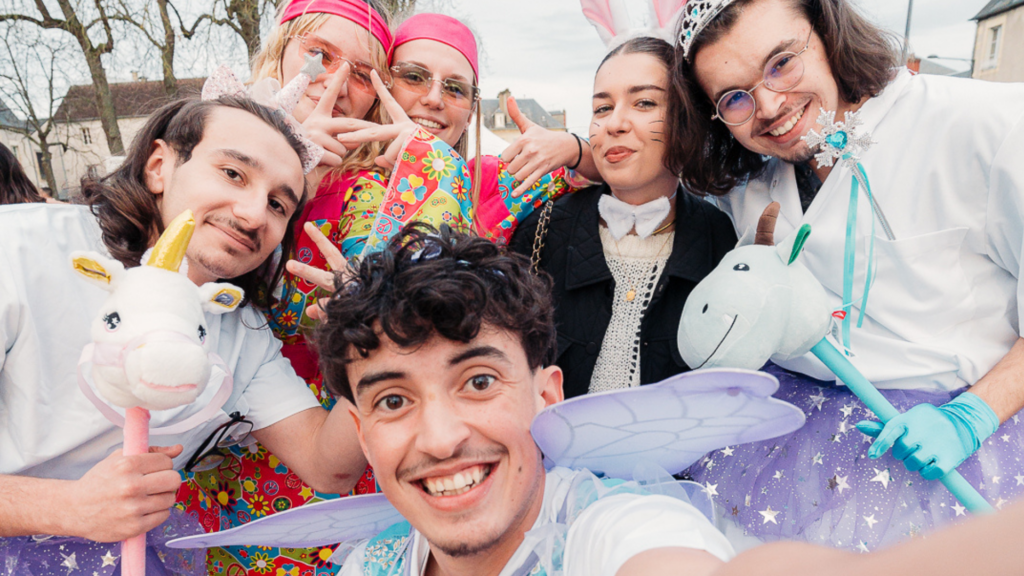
{"x": 540, "y": 236}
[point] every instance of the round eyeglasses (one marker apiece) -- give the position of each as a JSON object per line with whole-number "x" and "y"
{"x": 781, "y": 74}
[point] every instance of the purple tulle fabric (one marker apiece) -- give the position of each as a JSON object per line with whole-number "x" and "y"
{"x": 818, "y": 484}
{"x": 66, "y": 556}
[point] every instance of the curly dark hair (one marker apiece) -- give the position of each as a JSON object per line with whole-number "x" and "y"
{"x": 127, "y": 211}
{"x": 703, "y": 152}
{"x": 428, "y": 282}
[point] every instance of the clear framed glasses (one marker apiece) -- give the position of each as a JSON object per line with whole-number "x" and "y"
{"x": 208, "y": 455}
{"x": 359, "y": 76}
{"x": 419, "y": 80}
{"x": 781, "y": 74}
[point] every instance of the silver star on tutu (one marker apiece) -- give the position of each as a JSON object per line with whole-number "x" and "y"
{"x": 313, "y": 66}
{"x": 838, "y": 139}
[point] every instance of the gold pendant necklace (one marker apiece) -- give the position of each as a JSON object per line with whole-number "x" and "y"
{"x": 631, "y": 293}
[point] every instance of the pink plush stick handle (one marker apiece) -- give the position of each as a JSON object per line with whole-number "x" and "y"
{"x": 136, "y": 441}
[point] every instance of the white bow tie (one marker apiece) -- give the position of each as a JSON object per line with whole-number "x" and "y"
{"x": 621, "y": 217}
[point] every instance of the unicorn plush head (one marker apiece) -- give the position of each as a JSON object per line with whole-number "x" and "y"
{"x": 760, "y": 303}
{"x": 151, "y": 346}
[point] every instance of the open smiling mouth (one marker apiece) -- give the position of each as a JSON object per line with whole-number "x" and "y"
{"x": 458, "y": 483}
{"x": 719, "y": 345}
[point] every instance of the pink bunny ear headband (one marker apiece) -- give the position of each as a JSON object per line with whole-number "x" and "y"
{"x": 269, "y": 93}
{"x": 616, "y": 23}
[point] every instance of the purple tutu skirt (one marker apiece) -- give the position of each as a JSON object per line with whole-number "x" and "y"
{"x": 818, "y": 484}
{"x": 68, "y": 556}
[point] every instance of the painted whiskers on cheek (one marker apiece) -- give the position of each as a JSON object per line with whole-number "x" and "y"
{"x": 654, "y": 132}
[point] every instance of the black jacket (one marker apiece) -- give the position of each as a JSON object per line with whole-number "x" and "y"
{"x": 584, "y": 285}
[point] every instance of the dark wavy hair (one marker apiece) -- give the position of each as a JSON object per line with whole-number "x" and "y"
{"x": 428, "y": 282}
{"x": 703, "y": 152}
{"x": 127, "y": 211}
{"x": 15, "y": 187}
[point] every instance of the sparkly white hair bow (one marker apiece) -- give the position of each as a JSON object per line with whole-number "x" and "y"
{"x": 269, "y": 93}
{"x": 616, "y": 22}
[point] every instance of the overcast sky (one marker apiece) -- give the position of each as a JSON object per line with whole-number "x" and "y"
{"x": 546, "y": 49}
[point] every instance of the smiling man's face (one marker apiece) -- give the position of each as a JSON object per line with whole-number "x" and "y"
{"x": 737, "y": 61}
{"x": 242, "y": 181}
{"x": 446, "y": 427}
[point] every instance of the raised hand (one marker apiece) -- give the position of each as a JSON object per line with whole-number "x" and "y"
{"x": 123, "y": 496}
{"x": 321, "y": 125}
{"x": 323, "y": 279}
{"x": 536, "y": 151}
{"x": 397, "y": 132}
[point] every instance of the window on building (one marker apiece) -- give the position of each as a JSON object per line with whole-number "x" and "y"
{"x": 86, "y": 136}
{"x": 499, "y": 120}
{"x": 995, "y": 34}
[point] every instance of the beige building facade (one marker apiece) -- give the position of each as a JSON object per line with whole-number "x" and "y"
{"x": 999, "y": 42}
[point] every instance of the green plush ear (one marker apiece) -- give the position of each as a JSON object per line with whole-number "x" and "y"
{"x": 798, "y": 244}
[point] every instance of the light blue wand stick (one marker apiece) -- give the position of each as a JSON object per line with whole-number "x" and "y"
{"x": 873, "y": 399}
{"x": 761, "y": 303}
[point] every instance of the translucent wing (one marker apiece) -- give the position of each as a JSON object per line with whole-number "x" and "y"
{"x": 320, "y": 524}
{"x": 672, "y": 423}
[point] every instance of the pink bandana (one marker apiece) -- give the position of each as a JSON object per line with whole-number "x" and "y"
{"x": 439, "y": 28}
{"x": 355, "y": 10}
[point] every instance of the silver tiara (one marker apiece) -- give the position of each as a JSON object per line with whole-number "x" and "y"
{"x": 696, "y": 16}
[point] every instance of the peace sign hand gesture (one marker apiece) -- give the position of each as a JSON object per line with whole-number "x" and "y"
{"x": 323, "y": 279}
{"x": 398, "y": 131}
{"x": 322, "y": 126}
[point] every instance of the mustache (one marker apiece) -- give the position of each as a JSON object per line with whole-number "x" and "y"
{"x": 761, "y": 126}
{"x": 416, "y": 469}
{"x": 251, "y": 235}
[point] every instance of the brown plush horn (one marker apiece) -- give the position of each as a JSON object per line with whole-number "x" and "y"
{"x": 766, "y": 225}
{"x": 170, "y": 247}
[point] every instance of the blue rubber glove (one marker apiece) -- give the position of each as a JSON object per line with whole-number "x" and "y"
{"x": 934, "y": 440}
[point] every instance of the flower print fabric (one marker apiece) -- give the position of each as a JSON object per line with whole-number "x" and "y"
{"x": 433, "y": 184}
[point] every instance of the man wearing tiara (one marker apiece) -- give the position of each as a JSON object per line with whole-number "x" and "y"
{"x": 445, "y": 344}
{"x": 239, "y": 167}
{"x": 915, "y": 191}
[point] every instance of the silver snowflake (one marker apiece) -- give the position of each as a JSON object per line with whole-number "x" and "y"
{"x": 838, "y": 140}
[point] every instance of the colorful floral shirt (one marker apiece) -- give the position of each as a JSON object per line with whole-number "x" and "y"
{"x": 433, "y": 184}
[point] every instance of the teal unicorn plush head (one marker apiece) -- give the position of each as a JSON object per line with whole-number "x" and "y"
{"x": 760, "y": 303}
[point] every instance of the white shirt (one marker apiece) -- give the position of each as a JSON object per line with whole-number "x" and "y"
{"x": 48, "y": 428}
{"x": 603, "y": 537}
{"x": 947, "y": 170}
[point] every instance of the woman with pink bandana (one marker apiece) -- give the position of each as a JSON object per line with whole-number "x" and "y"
{"x": 434, "y": 70}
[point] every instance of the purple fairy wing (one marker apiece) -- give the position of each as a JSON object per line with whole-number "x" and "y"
{"x": 311, "y": 525}
{"x": 672, "y": 423}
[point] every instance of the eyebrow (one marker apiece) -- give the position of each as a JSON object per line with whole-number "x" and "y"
{"x": 779, "y": 48}
{"x": 478, "y": 352}
{"x": 632, "y": 90}
{"x": 368, "y": 381}
{"x": 338, "y": 51}
{"x": 257, "y": 165}
{"x": 453, "y": 76}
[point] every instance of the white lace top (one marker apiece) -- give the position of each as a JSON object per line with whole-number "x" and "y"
{"x": 636, "y": 264}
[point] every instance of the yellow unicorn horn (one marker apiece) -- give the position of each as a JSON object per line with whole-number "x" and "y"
{"x": 170, "y": 247}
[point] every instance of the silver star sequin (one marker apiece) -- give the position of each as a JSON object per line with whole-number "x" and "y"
{"x": 313, "y": 66}
{"x": 838, "y": 140}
